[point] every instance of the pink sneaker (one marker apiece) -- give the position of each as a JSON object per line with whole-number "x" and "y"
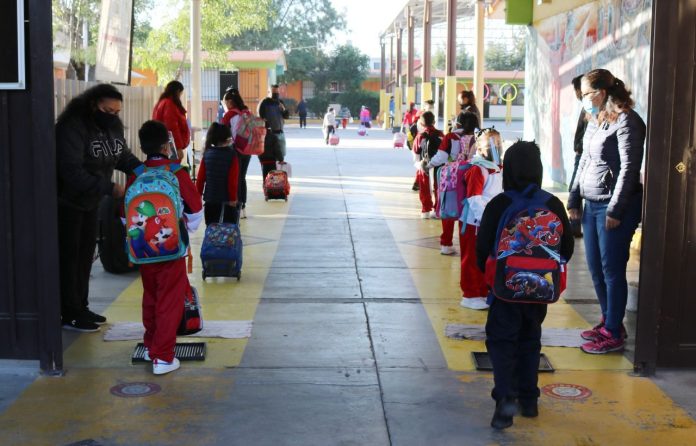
{"x": 593, "y": 334}
{"x": 605, "y": 343}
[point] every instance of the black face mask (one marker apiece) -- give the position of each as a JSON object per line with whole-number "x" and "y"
{"x": 275, "y": 96}
{"x": 107, "y": 121}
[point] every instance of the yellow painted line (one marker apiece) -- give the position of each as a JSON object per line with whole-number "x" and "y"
{"x": 622, "y": 410}
{"x": 436, "y": 278}
{"x": 221, "y": 299}
{"x": 79, "y": 406}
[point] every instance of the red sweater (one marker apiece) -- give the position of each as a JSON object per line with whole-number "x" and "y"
{"x": 174, "y": 119}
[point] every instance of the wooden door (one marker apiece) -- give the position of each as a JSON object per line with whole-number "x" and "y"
{"x": 667, "y": 303}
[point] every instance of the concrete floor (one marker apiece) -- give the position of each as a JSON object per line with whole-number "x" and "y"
{"x": 349, "y": 298}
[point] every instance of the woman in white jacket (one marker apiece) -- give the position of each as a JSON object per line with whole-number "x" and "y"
{"x": 329, "y": 125}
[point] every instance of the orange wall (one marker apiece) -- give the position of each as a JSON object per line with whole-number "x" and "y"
{"x": 149, "y": 81}
{"x": 252, "y": 86}
{"x": 294, "y": 90}
{"x": 371, "y": 85}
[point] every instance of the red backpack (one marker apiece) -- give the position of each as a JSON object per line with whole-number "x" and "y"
{"x": 526, "y": 266}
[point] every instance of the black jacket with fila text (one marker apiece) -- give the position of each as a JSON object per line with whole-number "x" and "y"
{"x": 86, "y": 156}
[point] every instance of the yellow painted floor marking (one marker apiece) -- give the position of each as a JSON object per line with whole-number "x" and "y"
{"x": 221, "y": 299}
{"x": 79, "y": 406}
{"x": 437, "y": 279}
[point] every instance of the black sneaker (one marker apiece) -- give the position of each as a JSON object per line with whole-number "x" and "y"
{"x": 80, "y": 325}
{"x": 504, "y": 412}
{"x": 529, "y": 409}
{"x": 94, "y": 317}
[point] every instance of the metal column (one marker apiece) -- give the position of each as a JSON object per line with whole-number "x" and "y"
{"x": 196, "y": 108}
{"x": 426, "y": 87}
{"x": 451, "y": 63}
{"x": 383, "y": 101}
{"x": 410, "y": 81}
{"x": 398, "y": 92}
{"x": 479, "y": 58}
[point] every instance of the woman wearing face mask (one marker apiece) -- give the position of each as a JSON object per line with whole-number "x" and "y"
{"x": 89, "y": 144}
{"x": 171, "y": 112}
{"x": 608, "y": 179}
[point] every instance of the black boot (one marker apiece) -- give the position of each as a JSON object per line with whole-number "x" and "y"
{"x": 529, "y": 408}
{"x": 504, "y": 411}
{"x": 415, "y": 187}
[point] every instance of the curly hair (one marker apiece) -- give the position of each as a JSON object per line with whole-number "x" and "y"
{"x": 84, "y": 106}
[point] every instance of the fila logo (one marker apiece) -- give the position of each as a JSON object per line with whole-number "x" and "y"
{"x": 102, "y": 148}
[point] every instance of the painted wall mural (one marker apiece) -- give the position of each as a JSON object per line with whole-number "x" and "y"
{"x": 611, "y": 34}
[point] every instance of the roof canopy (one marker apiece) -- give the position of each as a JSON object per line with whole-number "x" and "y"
{"x": 269, "y": 59}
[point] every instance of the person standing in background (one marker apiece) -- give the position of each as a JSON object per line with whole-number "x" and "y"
{"x": 273, "y": 111}
{"x": 171, "y": 112}
{"x": 302, "y": 112}
{"x": 575, "y": 225}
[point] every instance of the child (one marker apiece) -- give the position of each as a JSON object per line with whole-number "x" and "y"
{"x": 233, "y": 118}
{"x": 218, "y": 176}
{"x": 456, "y": 147}
{"x": 425, "y": 146}
{"x": 513, "y": 330}
{"x": 165, "y": 284}
{"x": 329, "y": 124}
{"x": 482, "y": 181}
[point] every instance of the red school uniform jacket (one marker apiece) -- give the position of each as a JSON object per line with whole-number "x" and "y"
{"x": 167, "y": 112}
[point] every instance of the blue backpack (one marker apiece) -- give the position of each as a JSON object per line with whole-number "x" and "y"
{"x": 526, "y": 265}
{"x": 154, "y": 211}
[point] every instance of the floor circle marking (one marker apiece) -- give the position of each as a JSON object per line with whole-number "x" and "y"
{"x": 567, "y": 391}
{"x": 132, "y": 390}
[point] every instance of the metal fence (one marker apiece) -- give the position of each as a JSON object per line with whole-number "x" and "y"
{"x": 138, "y": 103}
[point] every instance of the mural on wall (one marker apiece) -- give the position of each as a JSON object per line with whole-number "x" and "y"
{"x": 611, "y": 34}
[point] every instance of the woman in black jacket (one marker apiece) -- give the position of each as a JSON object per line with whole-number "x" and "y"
{"x": 608, "y": 179}
{"x": 89, "y": 144}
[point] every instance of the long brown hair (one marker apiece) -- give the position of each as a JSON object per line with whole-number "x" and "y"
{"x": 233, "y": 95}
{"x": 618, "y": 96}
{"x": 172, "y": 91}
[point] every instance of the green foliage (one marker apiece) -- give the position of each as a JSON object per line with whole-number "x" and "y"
{"x": 221, "y": 20}
{"x": 301, "y": 28}
{"x": 356, "y": 99}
{"x": 499, "y": 57}
{"x": 320, "y": 102}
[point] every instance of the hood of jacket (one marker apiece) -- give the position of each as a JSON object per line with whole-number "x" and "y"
{"x": 522, "y": 166}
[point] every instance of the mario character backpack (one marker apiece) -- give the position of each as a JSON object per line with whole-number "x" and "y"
{"x": 154, "y": 209}
{"x": 527, "y": 266}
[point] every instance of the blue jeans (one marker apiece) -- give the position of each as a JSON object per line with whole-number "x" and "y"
{"x": 607, "y": 253}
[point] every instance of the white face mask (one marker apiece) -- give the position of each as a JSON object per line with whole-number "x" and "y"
{"x": 420, "y": 127}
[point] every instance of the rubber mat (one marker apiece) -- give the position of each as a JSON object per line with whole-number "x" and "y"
{"x": 483, "y": 362}
{"x": 185, "y": 351}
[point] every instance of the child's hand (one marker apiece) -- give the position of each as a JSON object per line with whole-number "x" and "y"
{"x": 574, "y": 214}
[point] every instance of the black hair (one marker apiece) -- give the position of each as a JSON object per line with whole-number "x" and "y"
{"x": 468, "y": 122}
{"x": 577, "y": 82}
{"x": 275, "y": 86}
{"x": 153, "y": 135}
{"x": 427, "y": 119}
{"x": 232, "y": 94}
{"x": 172, "y": 91}
{"x": 217, "y": 133}
{"x": 84, "y": 105}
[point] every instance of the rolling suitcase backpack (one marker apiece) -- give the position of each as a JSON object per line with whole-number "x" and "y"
{"x": 221, "y": 252}
{"x": 399, "y": 140}
{"x": 276, "y": 185}
{"x": 334, "y": 139}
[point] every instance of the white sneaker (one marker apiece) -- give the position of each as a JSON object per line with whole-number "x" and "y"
{"x": 433, "y": 214}
{"x": 160, "y": 367}
{"x": 243, "y": 212}
{"x": 146, "y": 355}
{"x": 474, "y": 303}
{"x": 425, "y": 215}
{"x": 447, "y": 250}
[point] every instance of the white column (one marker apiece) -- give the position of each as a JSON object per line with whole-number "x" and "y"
{"x": 196, "y": 108}
{"x": 479, "y": 58}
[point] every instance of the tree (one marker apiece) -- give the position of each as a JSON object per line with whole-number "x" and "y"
{"x": 301, "y": 28}
{"x": 464, "y": 60}
{"x": 500, "y": 57}
{"x": 221, "y": 20}
{"x": 69, "y": 17}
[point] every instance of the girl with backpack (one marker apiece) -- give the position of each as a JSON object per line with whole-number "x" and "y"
{"x": 455, "y": 150}
{"x": 171, "y": 112}
{"x": 218, "y": 176}
{"x": 329, "y": 125}
{"x": 482, "y": 182}
{"x": 425, "y": 146}
{"x": 233, "y": 118}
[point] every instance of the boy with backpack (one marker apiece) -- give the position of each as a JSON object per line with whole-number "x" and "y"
{"x": 523, "y": 243}
{"x": 425, "y": 147}
{"x": 161, "y": 205}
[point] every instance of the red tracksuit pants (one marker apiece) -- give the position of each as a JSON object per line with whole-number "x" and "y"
{"x": 164, "y": 288}
{"x": 471, "y": 279}
{"x": 448, "y": 231}
{"x": 425, "y": 191}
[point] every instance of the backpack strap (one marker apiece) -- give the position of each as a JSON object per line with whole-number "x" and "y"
{"x": 141, "y": 169}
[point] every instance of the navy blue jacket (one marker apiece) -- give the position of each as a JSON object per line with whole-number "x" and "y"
{"x": 609, "y": 169}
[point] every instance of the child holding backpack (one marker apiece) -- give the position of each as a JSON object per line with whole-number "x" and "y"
{"x": 157, "y": 240}
{"x": 455, "y": 150}
{"x": 523, "y": 258}
{"x": 233, "y": 118}
{"x": 482, "y": 181}
{"x": 425, "y": 146}
{"x": 218, "y": 176}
